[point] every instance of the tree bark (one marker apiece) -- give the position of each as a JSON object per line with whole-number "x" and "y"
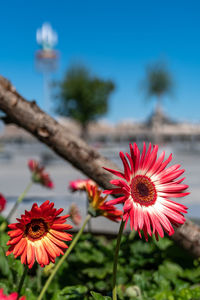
{"x": 30, "y": 117}
{"x": 188, "y": 237}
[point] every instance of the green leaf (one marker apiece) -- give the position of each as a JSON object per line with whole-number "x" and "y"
{"x": 99, "y": 273}
{"x": 170, "y": 270}
{"x": 73, "y": 292}
{"x": 56, "y": 296}
{"x": 4, "y": 266}
{"x": 30, "y": 294}
{"x": 163, "y": 244}
{"x": 4, "y": 287}
{"x": 98, "y": 296}
{"x": 101, "y": 285}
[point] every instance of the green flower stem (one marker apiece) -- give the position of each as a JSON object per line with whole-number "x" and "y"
{"x": 3, "y": 226}
{"x": 73, "y": 243}
{"x": 22, "y": 281}
{"x": 19, "y": 200}
{"x": 114, "y": 291}
{"x": 89, "y": 222}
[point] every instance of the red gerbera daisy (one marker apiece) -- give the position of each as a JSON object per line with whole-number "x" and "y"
{"x": 39, "y": 175}
{"x": 13, "y": 296}
{"x": 80, "y": 184}
{"x": 39, "y": 234}
{"x": 145, "y": 188}
{"x": 97, "y": 204}
{"x": 2, "y": 202}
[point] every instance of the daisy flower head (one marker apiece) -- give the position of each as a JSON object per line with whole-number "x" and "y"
{"x": 12, "y": 296}
{"x": 39, "y": 175}
{"x": 145, "y": 188}
{"x": 2, "y": 202}
{"x": 39, "y": 235}
{"x": 98, "y": 206}
{"x": 80, "y": 184}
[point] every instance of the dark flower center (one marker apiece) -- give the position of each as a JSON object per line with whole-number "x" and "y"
{"x": 143, "y": 190}
{"x": 36, "y": 229}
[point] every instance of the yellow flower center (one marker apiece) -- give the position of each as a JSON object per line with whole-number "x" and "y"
{"x": 143, "y": 190}
{"x": 36, "y": 229}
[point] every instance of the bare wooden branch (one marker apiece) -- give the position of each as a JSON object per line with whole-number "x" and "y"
{"x": 30, "y": 117}
{"x": 188, "y": 237}
{"x": 6, "y": 120}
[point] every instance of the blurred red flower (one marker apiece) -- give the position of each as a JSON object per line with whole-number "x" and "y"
{"x": 39, "y": 175}
{"x": 13, "y": 296}
{"x": 80, "y": 184}
{"x": 2, "y": 202}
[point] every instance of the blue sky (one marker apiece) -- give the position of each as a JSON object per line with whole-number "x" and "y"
{"x": 116, "y": 39}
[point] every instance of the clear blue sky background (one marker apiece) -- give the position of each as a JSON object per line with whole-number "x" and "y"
{"x": 116, "y": 39}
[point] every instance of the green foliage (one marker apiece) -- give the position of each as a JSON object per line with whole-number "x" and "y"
{"x": 146, "y": 271}
{"x": 76, "y": 292}
{"x": 98, "y": 296}
{"x": 82, "y": 96}
{"x": 158, "y": 80}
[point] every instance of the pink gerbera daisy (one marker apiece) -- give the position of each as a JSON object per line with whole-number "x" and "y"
{"x": 145, "y": 188}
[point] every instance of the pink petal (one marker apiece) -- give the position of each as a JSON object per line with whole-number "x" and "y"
{"x": 117, "y": 173}
{"x": 142, "y": 156}
{"x": 127, "y": 171}
{"x": 164, "y": 164}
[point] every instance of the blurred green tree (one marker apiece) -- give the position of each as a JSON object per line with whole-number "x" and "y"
{"x": 83, "y": 96}
{"x": 158, "y": 82}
